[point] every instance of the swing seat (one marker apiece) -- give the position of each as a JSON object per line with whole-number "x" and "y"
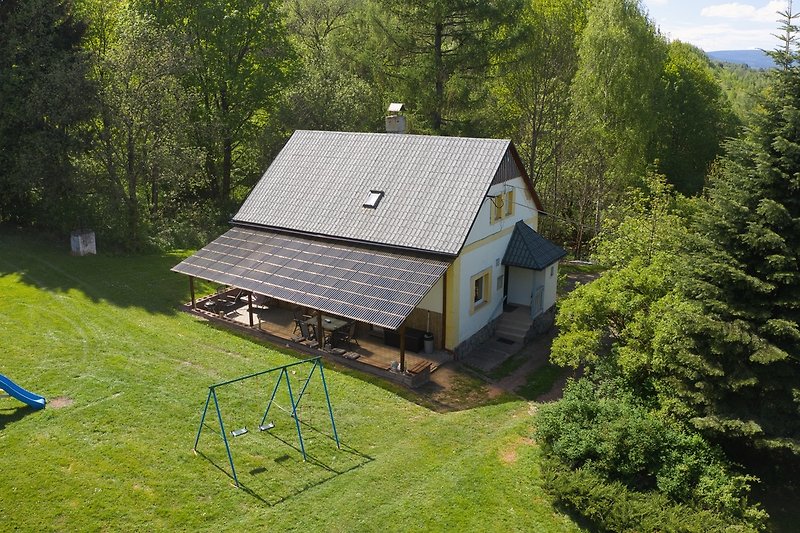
{"x": 267, "y": 427}
{"x": 239, "y": 432}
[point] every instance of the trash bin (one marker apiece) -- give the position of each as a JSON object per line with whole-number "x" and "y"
{"x": 427, "y": 340}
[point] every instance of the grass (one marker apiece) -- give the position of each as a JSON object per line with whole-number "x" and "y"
{"x": 102, "y": 336}
{"x": 510, "y": 365}
{"x": 541, "y": 381}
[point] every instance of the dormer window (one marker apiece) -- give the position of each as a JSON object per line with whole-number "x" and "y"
{"x": 373, "y": 199}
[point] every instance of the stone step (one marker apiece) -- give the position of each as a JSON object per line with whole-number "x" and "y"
{"x": 515, "y": 325}
{"x": 519, "y": 311}
{"x": 513, "y": 330}
{"x": 520, "y": 319}
{"x": 503, "y": 335}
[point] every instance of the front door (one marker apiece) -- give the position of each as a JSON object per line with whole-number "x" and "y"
{"x": 537, "y": 302}
{"x": 505, "y": 285}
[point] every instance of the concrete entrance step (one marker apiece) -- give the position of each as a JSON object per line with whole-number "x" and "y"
{"x": 512, "y": 330}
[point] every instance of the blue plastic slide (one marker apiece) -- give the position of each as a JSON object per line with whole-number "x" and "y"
{"x": 34, "y": 400}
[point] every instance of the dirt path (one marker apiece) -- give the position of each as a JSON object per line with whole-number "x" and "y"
{"x": 536, "y": 354}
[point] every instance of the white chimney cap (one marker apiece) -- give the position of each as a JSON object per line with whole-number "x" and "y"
{"x": 396, "y": 107}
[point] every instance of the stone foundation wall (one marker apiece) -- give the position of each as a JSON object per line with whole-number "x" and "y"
{"x": 481, "y": 336}
{"x": 541, "y": 324}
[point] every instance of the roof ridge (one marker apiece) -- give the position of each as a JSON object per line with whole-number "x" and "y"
{"x": 399, "y": 135}
{"x": 527, "y": 248}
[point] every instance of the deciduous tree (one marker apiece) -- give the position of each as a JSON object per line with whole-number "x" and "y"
{"x": 695, "y": 118}
{"x": 241, "y": 61}
{"x": 530, "y": 92}
{"x": 614, "y": 119}
{"x": 141, "y": 150}
{"x": 43, "y": 100}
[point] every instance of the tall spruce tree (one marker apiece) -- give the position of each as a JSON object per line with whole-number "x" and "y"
{"x": 439, "y": 52}
{"x": 743, "y": 344}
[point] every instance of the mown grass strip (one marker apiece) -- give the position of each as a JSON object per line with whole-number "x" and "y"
{"x": 103, "y": 335}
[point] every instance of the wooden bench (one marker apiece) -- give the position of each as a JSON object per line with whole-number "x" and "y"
{"x": 420, "y": 367}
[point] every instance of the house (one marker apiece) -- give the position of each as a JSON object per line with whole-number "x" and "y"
{"x": 394, "y": 231}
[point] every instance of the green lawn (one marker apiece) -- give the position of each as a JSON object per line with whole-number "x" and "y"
{"x": 103, "y": 333}
{"x": 541, "y": 381}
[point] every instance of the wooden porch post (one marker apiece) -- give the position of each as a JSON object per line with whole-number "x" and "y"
{"x": 250, "y": 307}
{"x": 403, "y": 348}
{"x": 320, "y": 332}
{"x": 191, "y": 290}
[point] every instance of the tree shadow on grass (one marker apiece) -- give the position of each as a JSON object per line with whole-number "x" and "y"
{"x": 143, "y": 281}
{"x": 9, "y": 415}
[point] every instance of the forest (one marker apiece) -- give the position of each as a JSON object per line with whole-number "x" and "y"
{"x": 150, "y": 120}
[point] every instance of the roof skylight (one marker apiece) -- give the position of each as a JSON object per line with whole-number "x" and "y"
{"x": 373, "y": 198}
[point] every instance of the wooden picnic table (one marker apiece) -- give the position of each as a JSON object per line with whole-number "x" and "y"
{"x": 328, "y": 323}
{"x": 329, "y": 326}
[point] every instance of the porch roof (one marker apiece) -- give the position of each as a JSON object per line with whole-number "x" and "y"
{"x": 528, "y": 249}
{"x": 365, "y": 284}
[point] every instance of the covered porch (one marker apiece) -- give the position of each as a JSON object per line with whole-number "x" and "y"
{"x": 276, "y": 321}
{"x": 345, "y": 300}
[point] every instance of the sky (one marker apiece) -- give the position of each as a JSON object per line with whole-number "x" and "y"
{"x": 718, "y": 25}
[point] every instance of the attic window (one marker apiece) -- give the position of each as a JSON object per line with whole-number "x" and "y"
{"x": 373, "y": 198}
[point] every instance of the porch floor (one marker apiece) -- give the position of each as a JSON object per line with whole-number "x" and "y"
{"x": 370, "y": 350}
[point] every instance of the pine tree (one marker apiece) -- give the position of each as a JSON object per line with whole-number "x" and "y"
{"x": 742, "y": 350}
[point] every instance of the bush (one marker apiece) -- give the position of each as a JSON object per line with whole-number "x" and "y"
{"x": 610, "y": 436}
{"x": 611, "y": 506}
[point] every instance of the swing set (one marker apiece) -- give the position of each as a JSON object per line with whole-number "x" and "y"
{"x": 283, "y": 372}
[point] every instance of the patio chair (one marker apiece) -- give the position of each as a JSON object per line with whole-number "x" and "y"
{"x": 345, "y": 336}
{"x": 305, "y": 330}
{"x": 259, "y": 306}
{"x": 299, "y": 316}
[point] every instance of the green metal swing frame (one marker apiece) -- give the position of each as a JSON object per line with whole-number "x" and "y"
{"x": 316, "y": 363}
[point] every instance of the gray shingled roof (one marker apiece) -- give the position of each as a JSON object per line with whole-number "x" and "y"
{"x": 528, "y": 249}
{"x": 353, "y": 281}
{"x": 434, "y": 187}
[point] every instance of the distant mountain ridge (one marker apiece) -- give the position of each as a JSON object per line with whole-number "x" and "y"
{"x": 751, "y": 58}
